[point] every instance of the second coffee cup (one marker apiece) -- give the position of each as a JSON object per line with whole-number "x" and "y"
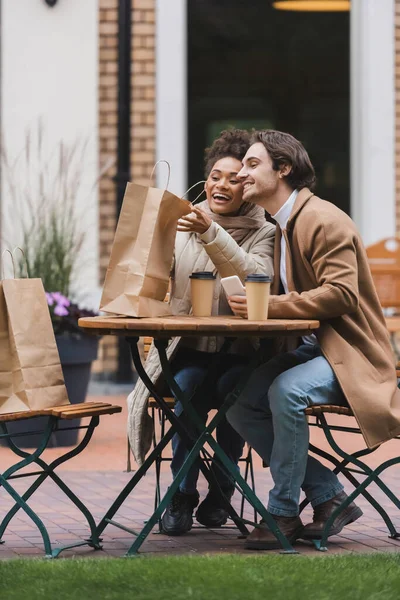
{"x": 202, "y": 290}
{"x": 257, "y": 295}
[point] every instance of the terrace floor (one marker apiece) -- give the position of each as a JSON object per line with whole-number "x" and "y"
{"x": 98, "y": 474}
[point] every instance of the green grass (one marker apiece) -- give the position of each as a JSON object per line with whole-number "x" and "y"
{"x": 219, "y": 577}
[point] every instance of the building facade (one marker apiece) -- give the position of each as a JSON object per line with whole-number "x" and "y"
{"x": 143, "y": 126}
{"x": 334, "y": 82}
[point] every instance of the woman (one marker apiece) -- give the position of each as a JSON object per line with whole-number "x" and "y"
{"x": 229, "y": 237}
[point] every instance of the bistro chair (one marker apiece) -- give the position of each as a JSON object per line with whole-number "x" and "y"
{"x": 384, "y": 262}
{"x": 54, "y": 417}
{"x": 350, "y": 465}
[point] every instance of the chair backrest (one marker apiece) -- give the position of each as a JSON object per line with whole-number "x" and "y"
{"x": 384, "y": 262}
{"x": 146, "y": 345}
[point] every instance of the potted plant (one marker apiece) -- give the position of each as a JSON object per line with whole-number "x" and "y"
{"x": 52, "y": 235}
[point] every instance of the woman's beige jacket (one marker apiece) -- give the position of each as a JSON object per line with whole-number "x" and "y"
{"x": 224, "y": 257}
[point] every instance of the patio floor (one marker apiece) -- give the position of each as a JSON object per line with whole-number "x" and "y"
{"x": 97, "y": 476}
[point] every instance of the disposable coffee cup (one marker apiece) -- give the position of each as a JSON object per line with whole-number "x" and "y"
{"x": 257, "y": 295}
{"x": 202, "y": 289}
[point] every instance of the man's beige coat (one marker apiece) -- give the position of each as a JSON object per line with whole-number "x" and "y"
{"x": 329, "y": 279}
{"x": 224, "y": 257}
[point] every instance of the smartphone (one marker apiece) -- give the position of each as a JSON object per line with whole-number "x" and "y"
{"x": 233, "y": 286}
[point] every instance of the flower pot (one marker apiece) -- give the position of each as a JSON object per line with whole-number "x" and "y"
{"x": 77, "y": 353}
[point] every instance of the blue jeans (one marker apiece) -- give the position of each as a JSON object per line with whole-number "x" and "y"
{"x": 269, "y": 415}
{"x": 190, "y": 368}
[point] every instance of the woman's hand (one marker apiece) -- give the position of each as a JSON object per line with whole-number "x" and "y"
{"x": 196, "y": 222}
{"x": 238, "y": 306}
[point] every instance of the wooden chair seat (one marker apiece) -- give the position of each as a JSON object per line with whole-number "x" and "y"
{"x": 68, "y": 411}
{"x": 314, "y": 411}
{"x": 169, "y": 401}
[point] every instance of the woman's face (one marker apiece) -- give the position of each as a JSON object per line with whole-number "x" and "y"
{"x": 223, "y": 189}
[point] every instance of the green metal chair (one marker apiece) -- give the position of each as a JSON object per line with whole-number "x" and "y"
{"x": 54, "y": 416}
{"x": 350, "y": 465}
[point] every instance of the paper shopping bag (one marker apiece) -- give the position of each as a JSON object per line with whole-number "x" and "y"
{"x": 31, "y": 377}
{"x": 137, "y": 277}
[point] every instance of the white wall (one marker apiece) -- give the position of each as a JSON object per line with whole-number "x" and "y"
{"x": 171, "y": 85}
{"x": 49, "y": 72}
{"x": 373, "y": 118}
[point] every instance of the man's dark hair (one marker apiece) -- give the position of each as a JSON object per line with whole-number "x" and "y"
{"x": 284, "y": 149}
{"x": 232, "y": 142}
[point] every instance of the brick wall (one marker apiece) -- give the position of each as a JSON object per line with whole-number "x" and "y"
{"x": 142, "y": 123}
{"x": 143, "y": 90}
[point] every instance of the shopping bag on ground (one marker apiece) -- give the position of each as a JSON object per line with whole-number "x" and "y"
{"x": 137, "y": 277}
{"x": 31, "y": 377}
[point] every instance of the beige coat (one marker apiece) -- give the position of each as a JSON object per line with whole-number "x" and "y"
{"x": 329, "y": 279}
{"x": 224, "y": 257}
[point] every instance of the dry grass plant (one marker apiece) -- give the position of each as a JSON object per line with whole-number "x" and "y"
{"x": 43, "y": 215}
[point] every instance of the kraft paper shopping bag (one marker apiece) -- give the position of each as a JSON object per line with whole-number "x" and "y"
{"x": 137, "y": 277}
{"x": 31, "y": 377}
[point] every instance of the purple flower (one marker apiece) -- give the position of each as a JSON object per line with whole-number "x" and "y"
{"x": 60, "y": 299}
{"x": 60, "y": 311}
{"x": 50, "y": 299}
{"x": 65, "y": 314}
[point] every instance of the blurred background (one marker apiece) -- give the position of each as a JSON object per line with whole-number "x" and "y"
{"x": 93, "y": 92}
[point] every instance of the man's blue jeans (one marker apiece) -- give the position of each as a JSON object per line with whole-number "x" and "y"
{"x": 190, "y": 368}
{"x": 269, "y": 415}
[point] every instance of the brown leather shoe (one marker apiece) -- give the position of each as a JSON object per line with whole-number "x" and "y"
{"x": 323, "y": 511}
{"x": 261, "y": 538}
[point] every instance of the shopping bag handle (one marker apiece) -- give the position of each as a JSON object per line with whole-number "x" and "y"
{"x": 2, "y": 262}
{"x": 191, "y": 187}
{"x": 24, "y": 260}
{"x": 154, "y": 168}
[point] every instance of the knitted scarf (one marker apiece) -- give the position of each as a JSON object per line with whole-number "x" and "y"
{"x": 249, "y": 216}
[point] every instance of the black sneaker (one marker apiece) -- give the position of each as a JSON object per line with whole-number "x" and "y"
{"x": 178, "y": 516}
{"x": 210, "y": 512}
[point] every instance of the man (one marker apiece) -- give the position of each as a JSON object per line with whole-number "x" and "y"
{"x": 321, "y": 272}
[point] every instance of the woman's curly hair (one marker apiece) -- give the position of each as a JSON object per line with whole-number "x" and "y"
{"x": 231, "y": 142}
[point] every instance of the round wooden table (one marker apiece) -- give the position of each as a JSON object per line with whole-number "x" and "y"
{"x": 161, "y": 329}
{"x": 188, "y": 326}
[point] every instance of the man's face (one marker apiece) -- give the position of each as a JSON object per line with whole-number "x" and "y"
{"x": 259, "y": 179}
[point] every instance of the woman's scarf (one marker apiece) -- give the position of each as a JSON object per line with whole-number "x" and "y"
{"x": 249, "y": 217}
